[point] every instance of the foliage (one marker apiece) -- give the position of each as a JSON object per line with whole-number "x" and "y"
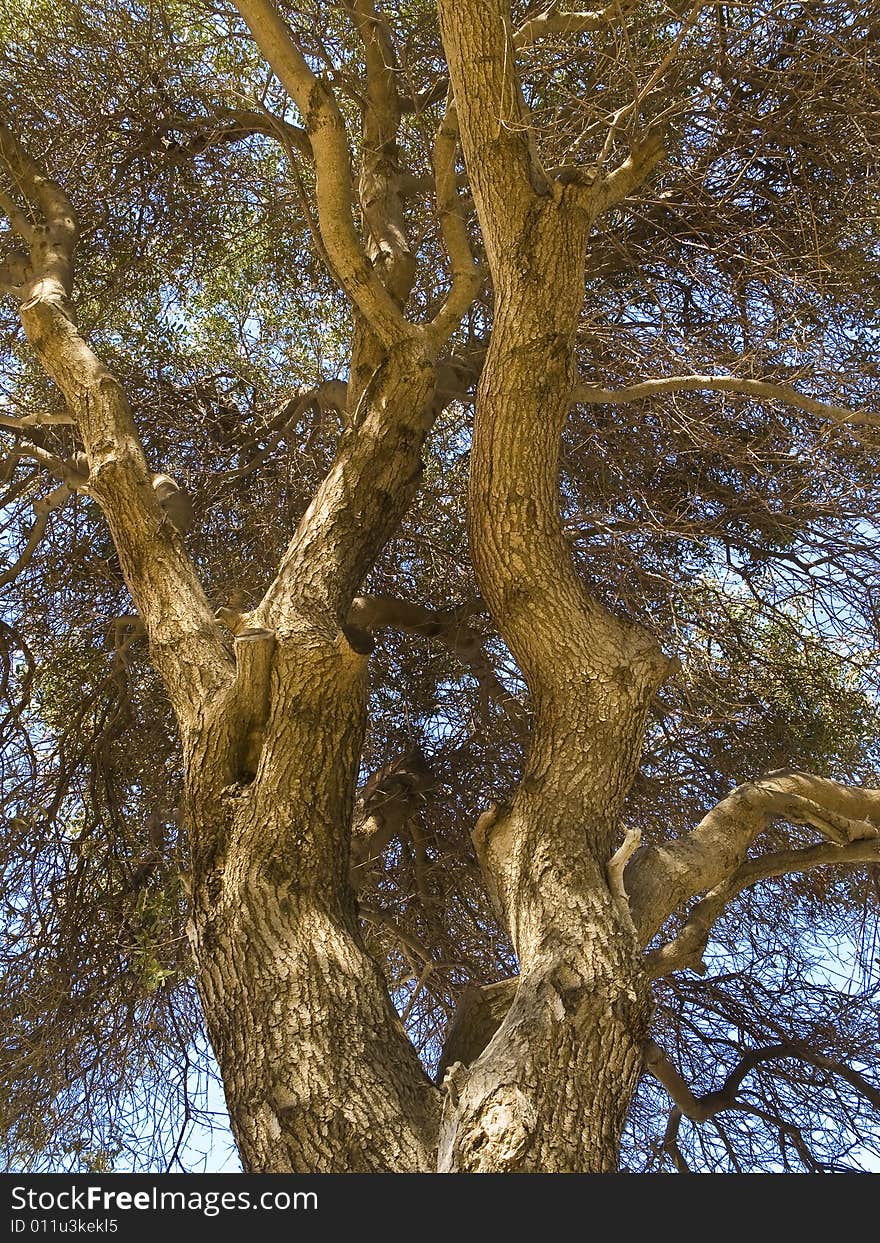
{"x": 739, "y": 529}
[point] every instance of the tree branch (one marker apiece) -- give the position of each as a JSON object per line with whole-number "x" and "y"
{"x": 448, "y": 626}
{"x": 42, "y": 508}
{"x": 670, "y": 1141}
{"x": 333, "y": 190}
{"x": 51, "y": 243}
{"x": 393, "y": 368}
{"x": 611, "y": 189}
{"x": 25, "y": 450}
{"x": 19, "y": 223}
{"x": 466, "y": 274}
{"x": 374, "y": 475}
{"x": 184, "y": 638}
{"x": 330, "y": 395}
{"x": 379, "y": 183}
{"x": 553, "y": 23}
{"x": 503, "y": 164}
{"x": 591, "y": 394}
{"x": 661, "y": 878}
{"x": 618, "y": 861}
{"x": 686, "y": 949}
{"x": 701, "y": 1108}
{"x": 228, "y": 125}
{"x": 14, "y": 272}
{"x": 562, "y": 639}
{"x": 27, "y": 421}
{"x": 388, "y": 800}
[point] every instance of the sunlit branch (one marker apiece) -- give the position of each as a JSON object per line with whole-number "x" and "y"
{"x": 27, "y": 421}
{"x": 466, "y": 274}
{"x": 594, "y": 395}
{"x": 333, "y": 189}
{"x": 184, "y": 638}
{"x": 553, "y": 23}
{"x": 611, "y": 189}
{"x": 686, "y": 949}
{"x": 661, "y": 878}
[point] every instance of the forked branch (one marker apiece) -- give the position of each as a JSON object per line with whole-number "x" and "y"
{"x": 712, "y": 860}
{"x": 701, "y": 1108}
{"x": 325, "y": 127}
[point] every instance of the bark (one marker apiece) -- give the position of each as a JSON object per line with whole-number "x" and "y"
{"x": 538, "y": 1072}
{"x": 185, "y": 643}
{"x": 318, "y": 1072}
{"x": 712, "y": 859}
{"x": 551, "y": 1089}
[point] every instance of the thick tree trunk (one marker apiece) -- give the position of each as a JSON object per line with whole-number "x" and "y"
{"x": 552, "y": 1089}
{"x": 318, "y": 1072}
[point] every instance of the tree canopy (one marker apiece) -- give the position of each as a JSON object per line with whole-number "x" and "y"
{"x": 717, "y": 485}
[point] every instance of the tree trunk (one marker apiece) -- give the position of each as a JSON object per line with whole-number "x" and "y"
{"x": 318, "y": 1072}
{"x": 552, "y": 1089}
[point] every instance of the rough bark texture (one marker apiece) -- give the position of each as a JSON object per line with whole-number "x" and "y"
{"x": 552, "y": 1088}
{"x": 318, "y": 1072}
{"x": 319, "y": 1075}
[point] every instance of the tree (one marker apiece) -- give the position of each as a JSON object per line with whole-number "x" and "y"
{"x": 293, "y": 281}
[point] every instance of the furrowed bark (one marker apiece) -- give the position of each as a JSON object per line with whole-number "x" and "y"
{"x": 318, "y": 1072}
{"x": 551, "y": 1090}
{"x": 298, "y": 1013}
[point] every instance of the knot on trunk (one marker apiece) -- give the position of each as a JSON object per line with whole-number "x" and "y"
{"x": 491, "y": 1135}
